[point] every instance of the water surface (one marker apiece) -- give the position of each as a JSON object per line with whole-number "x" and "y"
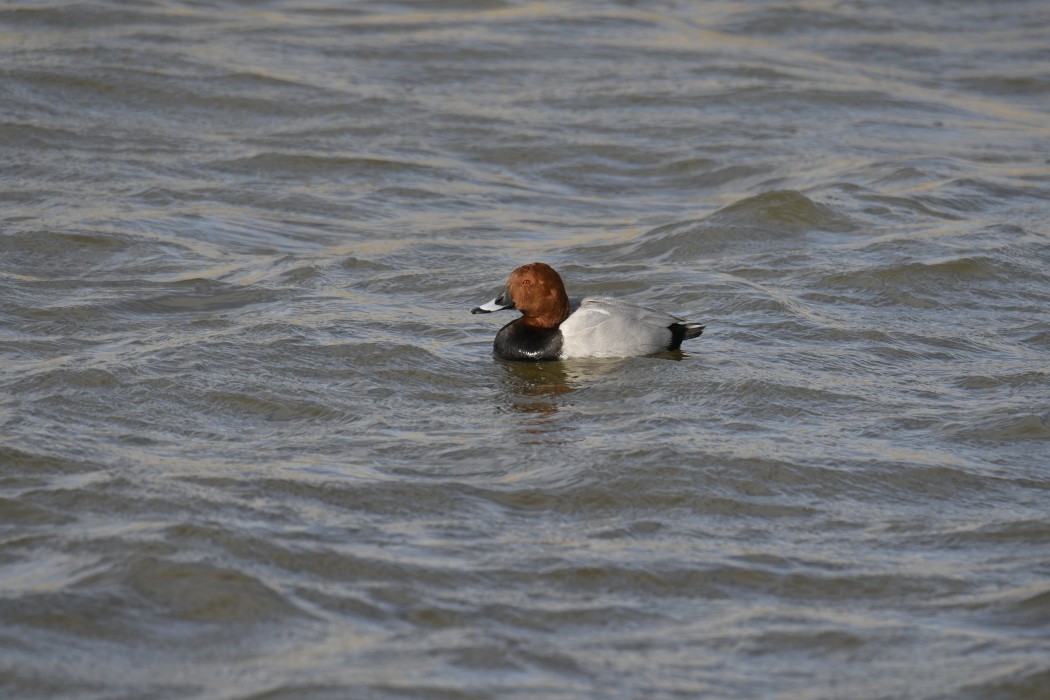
{"x": 253, "y": 444}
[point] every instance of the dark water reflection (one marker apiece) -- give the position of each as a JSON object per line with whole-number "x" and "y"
{"x": 533, "y": 389}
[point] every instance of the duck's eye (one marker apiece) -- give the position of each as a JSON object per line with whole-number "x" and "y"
{"x": 525, "y": 283}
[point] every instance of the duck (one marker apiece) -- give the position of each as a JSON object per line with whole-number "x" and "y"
{"x": 552, "y": 328}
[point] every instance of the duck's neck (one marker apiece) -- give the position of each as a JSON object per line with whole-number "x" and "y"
{"x": 548, "y": 319}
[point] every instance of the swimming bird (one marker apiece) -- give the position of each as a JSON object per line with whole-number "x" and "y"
{"x": 551, "y": 328}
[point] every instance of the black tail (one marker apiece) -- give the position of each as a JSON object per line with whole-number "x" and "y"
{"x": 683, "y": 331}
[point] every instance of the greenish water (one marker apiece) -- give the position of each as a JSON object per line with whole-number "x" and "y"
{"x": 254, "y": 445}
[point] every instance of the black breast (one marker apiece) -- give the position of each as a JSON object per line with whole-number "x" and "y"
{"x": 516, "y": 341}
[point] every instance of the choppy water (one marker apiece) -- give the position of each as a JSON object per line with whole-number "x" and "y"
{"x": 254, "y": 445}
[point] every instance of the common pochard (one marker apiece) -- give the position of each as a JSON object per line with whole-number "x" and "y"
{"x": 550, "y": 328}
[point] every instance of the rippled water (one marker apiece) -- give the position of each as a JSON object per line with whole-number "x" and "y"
{"x": 254, "y": 445}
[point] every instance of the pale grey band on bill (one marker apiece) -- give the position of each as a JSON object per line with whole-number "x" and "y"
{"x": 488, "y": 307}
